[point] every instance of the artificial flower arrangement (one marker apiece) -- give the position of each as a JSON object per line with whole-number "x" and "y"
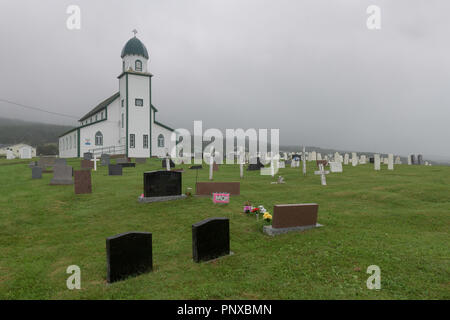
{"x": 267, "y": 217}
{"x": 247, "y": 207}
{"x": 255, "y": 210}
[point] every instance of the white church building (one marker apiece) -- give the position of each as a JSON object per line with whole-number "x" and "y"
{"x": 125, "y": 123}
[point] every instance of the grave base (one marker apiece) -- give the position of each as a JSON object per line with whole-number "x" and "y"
{"x": 276, "y": 231}
{"x": 61, "y": 182}
{"x": 159, "y": 199}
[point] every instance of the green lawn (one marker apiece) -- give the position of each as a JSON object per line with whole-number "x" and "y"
{"x": 398, "y": 220}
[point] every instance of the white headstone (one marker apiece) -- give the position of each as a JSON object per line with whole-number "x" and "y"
{"x": 336, "y": 166}
{"x": 390, "y": 161}
{"x": 346, "y": 158}
{"x": 354, "y": 159}
{"x": 319, "y": 156}
{"x": 304, "y": 161}
{"x": 376, "y": 162}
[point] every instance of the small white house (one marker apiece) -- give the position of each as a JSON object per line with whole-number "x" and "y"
{"x": 125, "y": 123}
{"x": 20, "y": 150}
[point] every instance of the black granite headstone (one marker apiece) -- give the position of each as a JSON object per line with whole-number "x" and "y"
{"x": 210, "y": 239}
{"x": 162, "y": 183}
{"x": 128, "y": 254}
{"x": 372, "y": 160}
{"x": 88, "y": 156}
{"x": 196, "y": 167}
{"x": 419, "y": 159}
{"x": 128, "y": 165}
{"x": 413, "y": 159}
{"x": 115, "y": 170}
{"x": 255, "y": 166}
{"x": 164, "y": 166}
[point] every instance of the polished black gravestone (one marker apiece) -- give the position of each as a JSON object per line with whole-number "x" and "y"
{"x": 115, "y": 170}
{"x": 88, "y": 156}
{"x": 372, "y": 160}
{"x": 162, "y": 186}
{"x": 36, "y": 173}
{"x": 419, "y": 159}
{"x": 164, "y": 165}
{"x": 127, "y": 165}
{"x": 255, "y": 166}
{"x": 128, "y": 254}
{"x": 210, "y": 239}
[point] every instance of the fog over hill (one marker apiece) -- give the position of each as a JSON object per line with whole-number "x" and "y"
{"x": 38, "y": 133}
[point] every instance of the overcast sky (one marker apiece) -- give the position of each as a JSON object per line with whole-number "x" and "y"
{"x": 310, "y": 68}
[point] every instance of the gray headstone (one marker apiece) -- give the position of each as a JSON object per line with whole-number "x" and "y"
{"x": 62, "y": 175}
{"x": 141, "y": 160}
{"x": 36, "y": 173}
{"x": 121, "y": 160}
{"x": 105, "y": 159}
{"x": 115, "y": 170}
{"x": 60, "y": 161}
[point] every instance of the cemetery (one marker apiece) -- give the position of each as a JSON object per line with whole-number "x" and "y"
{"x": 295, "y": 235}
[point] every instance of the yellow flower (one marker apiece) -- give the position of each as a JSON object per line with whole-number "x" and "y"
{"x": 267, "y": 216}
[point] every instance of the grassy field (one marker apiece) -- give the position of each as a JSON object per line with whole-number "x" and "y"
{"x": 398, "y": 220}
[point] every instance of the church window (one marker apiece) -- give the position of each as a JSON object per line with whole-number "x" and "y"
{"x": 122, "y": 103}
{"x": 161, "y": 141}
{"x": 122, "y": 119}
{"x": 96, "y": 117}
{"x": 132, "y": 140}
{"x": 70, "y": 142}
{"x": 98, "y": 139}
{"x": 145, "y": 141}
{"x": 139, "y": 102}
{"x": 138, "y": 65}
{"x": 101, "y": 115}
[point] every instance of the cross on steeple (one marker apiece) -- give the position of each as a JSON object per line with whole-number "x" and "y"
{"x": 134, "y": 31}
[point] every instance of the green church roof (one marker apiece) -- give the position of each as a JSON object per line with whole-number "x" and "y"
{"x": 134, "y": 46}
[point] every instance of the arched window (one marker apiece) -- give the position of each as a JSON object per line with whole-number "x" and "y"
{"x": 98, "y": 139}
{"x": 138, "y": 65}
{"x": 161, "y": 141}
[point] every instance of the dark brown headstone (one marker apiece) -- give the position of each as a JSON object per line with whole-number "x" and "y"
{"x": 294, "y": 215}
{"x": 83, "y": 183}
{"x": 207, "y": 188}
{"x": 87, "y": 164}
{"x": 324, "y": 162}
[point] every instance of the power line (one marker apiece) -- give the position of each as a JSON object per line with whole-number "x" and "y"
{"x": 38, "y": 109}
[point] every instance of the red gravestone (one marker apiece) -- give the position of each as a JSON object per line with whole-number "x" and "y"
{"x": 87, "y": 164}
{"x": 83, "y": 183}
{"x": 207, "y": 188}
{"x": 294, "y": 215}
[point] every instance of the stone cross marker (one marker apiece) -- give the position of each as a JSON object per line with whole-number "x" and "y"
{"x": 322, "y": 174}
{"x": 95, "y": 162}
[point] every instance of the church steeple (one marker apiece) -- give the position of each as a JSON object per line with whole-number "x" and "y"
{"x": 134, "y": 55}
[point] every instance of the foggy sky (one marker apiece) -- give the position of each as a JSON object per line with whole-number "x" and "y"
{"x": 310, "y": 68}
